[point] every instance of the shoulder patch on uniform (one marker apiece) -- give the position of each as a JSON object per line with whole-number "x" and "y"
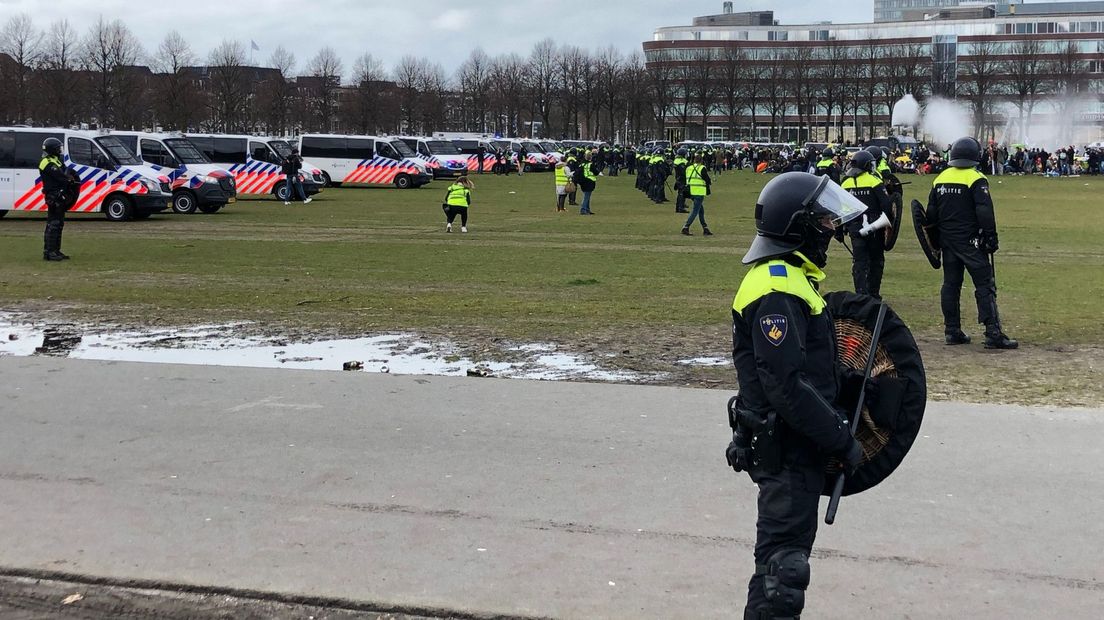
{"x": 778, "y": 271}
{"x": 775, "y": 327}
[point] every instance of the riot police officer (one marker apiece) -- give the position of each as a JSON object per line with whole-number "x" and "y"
{"x": 867, "y": 239}
{"x": 783, "y": 346}
{"x": 680, "y": 164}
{"x": 827, "y": 165}
{"x": 961, "y": 205}
{"x": 59, "y": 188}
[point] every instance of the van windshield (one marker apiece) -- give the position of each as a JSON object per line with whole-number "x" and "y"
{"x": 185, "y": 151}
{"x": 440, "y": 147}
{"x": 118, "y": 152}
{"x": 403, "y": 149}
{"x": 282, "y": 148}
{"x": 550, "y": 147}
{"x": 533, "y": 147}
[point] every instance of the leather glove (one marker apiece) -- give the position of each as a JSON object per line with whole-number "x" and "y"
{"x": 738, "y": 453}
{"x": 852, "y": 457}
{"x": 851, "y": 383}
{"x": 987, "y": 242}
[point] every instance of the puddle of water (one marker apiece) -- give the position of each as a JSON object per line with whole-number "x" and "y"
{"x": 405, "y": 354}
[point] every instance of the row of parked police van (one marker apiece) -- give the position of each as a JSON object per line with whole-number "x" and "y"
{"x": 131, "y": 175}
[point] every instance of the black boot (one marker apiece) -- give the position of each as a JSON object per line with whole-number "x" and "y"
{"x": 997, "y": 339}
{"x": 54, "y": 256}
{"x": 686, "y": 231}
{"x": 957, "y": 336}
{"x": 706, "y": 232}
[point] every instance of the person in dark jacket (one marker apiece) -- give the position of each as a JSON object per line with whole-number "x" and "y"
{"x": 586, "y": 179}
{"x": 60, "y": 187}
{"x": 867, "y": 239}
{"x": 291, "y": 165}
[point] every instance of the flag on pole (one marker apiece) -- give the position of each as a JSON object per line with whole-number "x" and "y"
{"x": 256, "y": 48}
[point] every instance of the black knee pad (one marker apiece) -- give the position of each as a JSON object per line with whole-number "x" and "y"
{"x": 786, "y": 580}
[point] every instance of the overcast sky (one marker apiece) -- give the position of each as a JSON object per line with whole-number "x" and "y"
{"x": 444, "y": 31}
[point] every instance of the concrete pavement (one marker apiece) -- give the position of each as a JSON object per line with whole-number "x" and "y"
{"x": 518, "y": 498}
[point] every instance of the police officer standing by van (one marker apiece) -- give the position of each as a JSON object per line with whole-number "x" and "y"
{"x": 59, "y": 188}
{"x": 961, "y": 205}
{"x": 785, "y": 427}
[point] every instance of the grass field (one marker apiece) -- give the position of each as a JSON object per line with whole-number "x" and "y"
{"x": 623, "y": 281}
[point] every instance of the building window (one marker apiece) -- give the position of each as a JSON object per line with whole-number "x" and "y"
{"x": 778, "y": 35}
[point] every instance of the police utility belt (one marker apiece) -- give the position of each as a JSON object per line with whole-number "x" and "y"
{"x": 756, "y": 439}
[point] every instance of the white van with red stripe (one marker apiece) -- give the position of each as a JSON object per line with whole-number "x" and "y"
{"x": 365, "y": 160}
{"x": 442, "y": 157}
{"x": 113, "y": 180}
{"x": 255, "y": 163}
{"x": 196, "y": 182}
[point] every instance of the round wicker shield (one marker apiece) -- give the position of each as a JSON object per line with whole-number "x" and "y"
{"x": 889, "y": 425}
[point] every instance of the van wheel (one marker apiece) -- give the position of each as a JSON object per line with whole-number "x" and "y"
{"x": 184, "y": 203}
{"x": 326, "y": 181}
{"x": 403, "y": 181}
{"x": 210, "y": 208}
{"x": 527, "y": 168}
{"x": 281, "y": 191}
{"x": 118, "y": 208}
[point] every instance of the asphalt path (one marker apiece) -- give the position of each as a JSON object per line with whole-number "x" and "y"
{"x": 517, "y": 498}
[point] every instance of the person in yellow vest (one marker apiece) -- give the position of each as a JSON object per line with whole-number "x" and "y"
{"x": 867, "y": 236}
{"x": 563, "y": 176}
{"x": 586, "y": 179}
{"x": 784, "y": 425}
{"x": 60, "y": 187}
{"x": 698, "y": 185}
{"x": 457, "y": 201}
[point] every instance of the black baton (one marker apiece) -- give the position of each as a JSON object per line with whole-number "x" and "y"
{"x": 837, "y": 492}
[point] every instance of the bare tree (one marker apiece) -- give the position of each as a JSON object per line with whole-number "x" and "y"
{"x": 569, "y": 65}
{"x": 276, "y": 94}
{"x": 1026, "y": 74}
{"x": 109, "y": 49}
{"x": 433, "y": 87}
{"x": 591, "y": 95}
{"x": 230, "y": 88}
{"x": 871, "y": 68}
{"x": 636, "y": 93}
{"x": 176, "y": 100}
{"x": 472, "y": 78}
{"x": 662, "y": 78}
{"x": 1069, "y": 69}
{"x": 776, "y": 90}
{"x": 701, "y": 86}
{"x": 806, "y": 87}
{"x": 508, "y": 84}
{"x": 22, "y": 41}
{"x": 831, "y": 74}
{"x": 610, "y": 76}
{"x": 980, "y": 83}
{"x": 730, "y": 88}
{"x": 60, "y": 89}
{"x": 367, "y": 79}
{"x": 543, "y": 81}
{"x": 327, "y": 68}
{"x": 408, "y": 76}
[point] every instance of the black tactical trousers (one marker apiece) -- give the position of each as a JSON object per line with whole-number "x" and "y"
{"x": 869, "y": 263}
{"x": 957, "y": 258}
{"x": 788, "y": 506}
{"x": 680, "y": 200}
{"x": 55, "y": 222}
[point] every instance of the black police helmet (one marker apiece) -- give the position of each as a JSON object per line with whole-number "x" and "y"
{"x": 781, "y": 214}
{"x": 965, "y": 153}
{"x": 683, "y": 152}
{"x": 828, "y": 153}
{"x": 52, "y": 146}
{"x": 862, "y": 160}
{"x": 876, "y": 152}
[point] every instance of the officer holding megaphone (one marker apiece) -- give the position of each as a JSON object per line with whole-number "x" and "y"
{"x": 868, "y": 244}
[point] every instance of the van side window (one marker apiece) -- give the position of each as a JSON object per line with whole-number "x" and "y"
{"x": 28, "y": 148}
{"x": 259, "y": 152}
{"x": 154, "y": 153}
{"x": 82, "y": 153}
{"x": 228, "y": 150}
{"x": 423, "y": 149}
{"x": 360, "y": 148}
{"x": 386, "y": 150}
{"x": 7, "y": 150}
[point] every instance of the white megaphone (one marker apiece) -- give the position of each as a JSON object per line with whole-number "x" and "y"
{"x": 878, "y": 224}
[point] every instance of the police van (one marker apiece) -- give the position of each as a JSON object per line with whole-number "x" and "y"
{"x": 255, "y": 163}
{"x": 196, "y": 182}
{"x": 472, "y": 148}
{"x": 552, "y": 149}
{"x": 442, "y": 157}
{"x": 365, "y": 160}
{"x": 113, "y": 180}
{"x": 535, "y": 159}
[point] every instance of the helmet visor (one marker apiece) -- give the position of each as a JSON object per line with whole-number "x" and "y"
{"x": 836, "y": 204}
